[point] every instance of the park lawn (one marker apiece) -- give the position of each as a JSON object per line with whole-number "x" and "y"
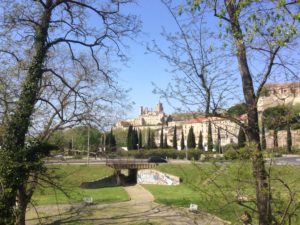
{"x": 70, "y": 178}
{"x": 215, "y": 187}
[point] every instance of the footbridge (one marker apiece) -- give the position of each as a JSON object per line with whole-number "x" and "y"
{"x": 132, "y": 165}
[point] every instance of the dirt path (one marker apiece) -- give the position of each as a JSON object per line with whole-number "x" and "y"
{"x": 140, "y": 210}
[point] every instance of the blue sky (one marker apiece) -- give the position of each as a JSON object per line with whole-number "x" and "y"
{"x": 142, "y": 68}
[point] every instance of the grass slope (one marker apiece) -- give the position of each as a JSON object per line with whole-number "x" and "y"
{"x": 216, "y": 188}
{"x": 70, "y": 178}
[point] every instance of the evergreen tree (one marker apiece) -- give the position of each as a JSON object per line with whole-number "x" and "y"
{"x": 209, "y": 138}
{"x": 263, "y": 137}
{"x": 275, "y": 138}
{"x": 182, "y": 141}
{"x": 191, "y": 143}
{"x": 288, "y": 138}
{"x": 140, "y": 139}
{"x": 175, "y": 138}
{"x": 200, "y": 141}
{"x": 148, "y": 139}
{"x": 166, "y": 141}
{"x": 134, "y": 139}
{"x": 241, "y": 138}
{"x": 129, "y": 138}
{"x": 161, "y": 142}
{"x": 152, "y": 140}
{"x": 218, "y": 144}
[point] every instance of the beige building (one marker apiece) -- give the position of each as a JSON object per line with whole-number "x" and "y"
{"x": 279, "y": 94}
{"x": 228, "y": 129}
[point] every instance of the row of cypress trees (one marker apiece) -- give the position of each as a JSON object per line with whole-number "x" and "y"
{"x": 134, "y": 139}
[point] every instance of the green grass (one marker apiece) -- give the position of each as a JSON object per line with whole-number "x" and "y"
{"x": 214, "y": 188}
{"x": 70, "y": 178}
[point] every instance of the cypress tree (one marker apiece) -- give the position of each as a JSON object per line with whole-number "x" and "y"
{"x": 289, "y": 138}
{"x": 275, "y": 138}
{"x": 209, "y": 138}
{"x": 166, "y": 141}
{"x": 134, "y": 139}
{"x": 218, "y": 145}
{"x": 129, "y": 138}
{"x": 148, "y": 139}
{"x": 200, "y": 141}
{"x": 152, "y": 140}
{"x": 175, "y": 138}
{"x": 182, "y": 141}
{"x": 161, "y": 142}
{"x": 263, "y": 137}
{"x": 191, "y": 143}
{"x": 241, "y": 138}
{"x": 140, "y": 139}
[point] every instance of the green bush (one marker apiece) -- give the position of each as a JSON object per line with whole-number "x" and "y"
{"x": 231, "y": 154}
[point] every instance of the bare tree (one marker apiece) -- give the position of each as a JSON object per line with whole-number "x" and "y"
{"x": 31, "y": 32}
{"x": 200, "y": 70}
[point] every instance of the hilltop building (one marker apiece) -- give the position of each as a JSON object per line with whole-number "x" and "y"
{"x": 279, "y": 94}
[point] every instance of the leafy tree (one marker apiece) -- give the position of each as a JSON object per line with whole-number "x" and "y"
{"x": 237, "y": 110}
{"x": 161, "y": 142}
{"x": 175, "y": 138}
{"x": 148, "y": 144}
{"x": 241, "y": 138}
{"x": 191, "y": 143}
{"x": 200, "y": 141}
{"x": 210, "y": 145}
{"x": 182, "y": 141}
{"x": 263, "y": 137}
{"x": 135, "y": 139}
{"x": 218, "y": 143}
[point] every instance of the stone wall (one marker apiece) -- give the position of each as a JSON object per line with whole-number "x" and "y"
{"x": 156, "y": 177}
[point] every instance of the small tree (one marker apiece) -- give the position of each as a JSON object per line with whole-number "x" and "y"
{"x": 182, "y": 141}
{"x": 263, "y": 137}
{"x": 166, "y": 141}
{"x": 152, "y": 140}
{"x": 241, "y": 138}
{"x": 175, "y": 138}
{"x": 218, "y": 144}
{"x": 191, "y": 143}
{"x": 200, "y": 141}
{"x": 135, "y": 140}
{"x": 289, "y": 138}
{"x": 209, "y": 138}
{"x": 161, "y": 142}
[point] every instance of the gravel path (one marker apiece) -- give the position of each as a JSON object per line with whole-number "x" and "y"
{"x": 139, "y": 210}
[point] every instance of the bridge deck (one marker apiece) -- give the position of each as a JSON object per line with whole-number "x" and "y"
{"x": 120, "y": 164}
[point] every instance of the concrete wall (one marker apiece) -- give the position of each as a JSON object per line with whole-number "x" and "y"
{"x": 156, "y": 177}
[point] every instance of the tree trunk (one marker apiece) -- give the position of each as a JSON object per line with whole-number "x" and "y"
{"x": 14, "y": 141}
{"x": 252, "y": 131}
{"x": 22, "y": 202}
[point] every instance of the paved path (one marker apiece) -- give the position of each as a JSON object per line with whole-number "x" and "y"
{"x": 139, "y": 210}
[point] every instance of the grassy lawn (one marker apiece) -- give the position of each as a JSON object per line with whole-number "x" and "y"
{"x": 71, "y": 176}
{"x": 215, "y": 188}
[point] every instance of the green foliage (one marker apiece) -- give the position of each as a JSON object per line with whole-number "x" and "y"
{"x": 241, "y": 138}
{"x": 129, "y": 138}
{"x": 110, "y": 141}
{"x": 237, "y": 110}
{"x": 200, "y": 141}
{"x": 161, "y": 142}
{"x": 140, "y": 139}
{"x": 175, "y": 138}
{"x": 209, "y": 138}
{"x": 289, "y": 138}
{"x": 191, "y": 143}
{"x": 182, "y": 141}
{"x": 263, "y": 137}
{"x": 166, "y": 142}
{"x": 121, "y": 137}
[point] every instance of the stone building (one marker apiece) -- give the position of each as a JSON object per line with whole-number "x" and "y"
{"x": 228, "y": 129}
{"x": 275, "y": 94}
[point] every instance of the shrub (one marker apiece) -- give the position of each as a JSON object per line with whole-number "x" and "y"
{"x": 231, "y": 154}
